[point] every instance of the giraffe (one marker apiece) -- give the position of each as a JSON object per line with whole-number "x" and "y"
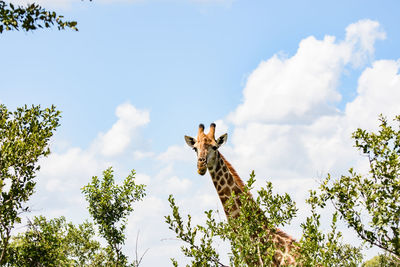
{"x": 226, "y": 181}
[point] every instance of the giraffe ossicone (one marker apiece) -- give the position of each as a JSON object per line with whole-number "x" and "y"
{"x": 226, "y": 181}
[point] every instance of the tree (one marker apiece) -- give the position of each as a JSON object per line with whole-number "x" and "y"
{"x": 24, "y": 137}
{"x": 54, "y": 243}
{"x": 249, "y": 234}
{"x": 370, "y": 204}
{"x": 324, "y": 249}
{"x": 109, "y": 206}
{"x": 30, "y": 18}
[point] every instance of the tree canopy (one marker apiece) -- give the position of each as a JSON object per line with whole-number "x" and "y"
{"x": 54, "y": 242}
{"x": 24, "y": 138}
{"x": 370, "y": 203}
{"x": 250, "y": 235}
{"x": 109, "y": 205}
{"x": 31, "y": 17}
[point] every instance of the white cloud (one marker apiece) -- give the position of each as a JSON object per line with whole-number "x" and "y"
{"x": 378, "y": 92}
{"x": 288, "y": 123}
{"x": 141, "y": 178}
{"x": 142, "y": 154}
{"x": 151, "y": 206}
{"x": 177, "y": 153}
{"x": 175, "y": 185}
{"x": 119, "y": 137}
{"x": 64, "y": 171}
{"x": 362, "y": 36}
{"x": 69, "y": 170}
{"x": 272, "y": 151}
{"x": 208, "y": 201}
{"x": 221, "y": 128}
{"x": 303, "y": 87}
{"x": 327, "y": 141}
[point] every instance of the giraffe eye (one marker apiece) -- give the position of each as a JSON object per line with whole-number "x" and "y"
{"x": 195, "y": 149}
{"x": 215, "y": 147}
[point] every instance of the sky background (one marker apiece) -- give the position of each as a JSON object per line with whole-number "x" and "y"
{"x": 289, "y": 81}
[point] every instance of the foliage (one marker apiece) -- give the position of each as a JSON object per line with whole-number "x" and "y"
{"x": 203, "y": 254}
{"x": 317, "y": 248}
{"x": 250, "y": 233}
{"x": 382, "y": 260}
{"x": 30, "y": 18}
{"x": 109, "y": 206}
{"x": 370, "y": 204}
{"x": 24, "y": 137}
{"x": 57, "y": 243}
{"x": 54, "y": 243}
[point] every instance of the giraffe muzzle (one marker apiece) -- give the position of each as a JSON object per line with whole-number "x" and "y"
{"x": 202, "y": 171}
{"x": 201, "y": 165}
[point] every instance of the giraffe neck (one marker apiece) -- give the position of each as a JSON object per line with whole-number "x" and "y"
{"x": 226, "y": 181}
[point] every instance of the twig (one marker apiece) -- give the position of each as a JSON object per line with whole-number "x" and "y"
{"x": 138, "y": 261}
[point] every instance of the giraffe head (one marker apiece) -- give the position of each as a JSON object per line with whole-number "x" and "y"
{"x": 205, "y": 146}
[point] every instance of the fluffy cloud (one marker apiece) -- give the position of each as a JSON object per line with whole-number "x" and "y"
{"x": 176, "y": 153}
{"x": 288, "y": 123}
{"x": 378, "y": 92}
{"x": 302, "y": 87}
{"x": 176, "y": 185}
{"x": 119, "y": 137}
{"x": 64, "y": 172}
{"x": 327, "y": 140}
{"x": 288, "y": 128}
{"x": 137, "y": 154}
{"x": 221, "y": 128}
{"x": 141, "y": 178}
{"x": 362, "y": 36}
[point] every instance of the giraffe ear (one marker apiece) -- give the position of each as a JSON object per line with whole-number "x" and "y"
{"x": 190, "y": 141}
{"x": 222, "y": 139}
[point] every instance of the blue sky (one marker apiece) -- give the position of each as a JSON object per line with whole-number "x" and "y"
{"x": 157, "y": 52}
{"x": 288, "y": 95}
